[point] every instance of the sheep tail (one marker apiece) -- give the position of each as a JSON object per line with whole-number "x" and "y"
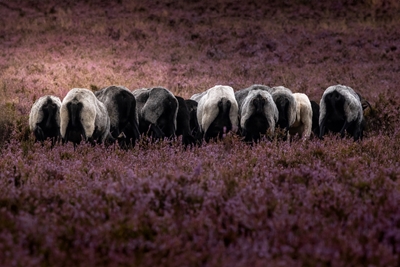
{"x": 74, "y": 109}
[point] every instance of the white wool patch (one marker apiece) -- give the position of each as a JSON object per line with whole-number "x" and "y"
{"x": 94, "y": 113}
{"x": 36, "y": 113}
{"x": 207, "y": 109}
{"x": 303, "y": 122}
{"x": 198, "y": 96}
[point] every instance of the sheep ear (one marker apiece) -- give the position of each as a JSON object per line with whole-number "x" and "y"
{"x": 365, "y": 104}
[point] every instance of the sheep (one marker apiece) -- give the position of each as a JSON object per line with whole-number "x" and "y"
{"x": 242, "y": 94}
{"x": 194, "y": 124}
{"x": 304, "y": 114}
{"x": 364, "y": 103}
{"x": 198, "y": 96}
{"x": 284, "y": 101}
{"x": 315, "y": 117}
{"x": 44, "y": 118}
{"x": 158, "y": 109}
{"x": 82, "y": 114}
{"x": 341, "y": 111}
{"x": 286, "y": 104}
{"x": 184, "y": 120}
{"x": 258, "y": 113}
{"x": 121, "y": 108}
{"x": 217, "y": 112}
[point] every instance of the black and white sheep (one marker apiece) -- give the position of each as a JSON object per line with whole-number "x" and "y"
{"x": 258, "y": 114}
{"x": 341, "y": 111}
{"x": 157, "y": 108}
{"x": 44, "y": 118}
{"x": 121, "y": 108}
{"x": 217, "y": 112}
{"x": 242, "y": 94}
{"x": 185, "y": 125}
{"x": 304, "y": 114}
{"x": 286, "y": 104}
{"x": 83, "y": 115}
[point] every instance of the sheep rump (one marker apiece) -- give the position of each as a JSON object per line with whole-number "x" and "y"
{"x": 286, "y": 104}
{"x": 242, "y": 94}
{"x": 121, "y": 108}
{"x": 158, "y": 109}
{"x": 217, "y": 111}
{"x": 304, "y": 114}
{"x": 258, "y": 114}
{"x": 44, "y": 118}
{"x": 340, "y": 111}
{"x": 82, "y": 114}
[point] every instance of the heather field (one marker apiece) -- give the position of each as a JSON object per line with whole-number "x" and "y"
{"x": 331, "y": 202}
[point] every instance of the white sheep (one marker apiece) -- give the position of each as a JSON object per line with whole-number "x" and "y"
{"x": 82, "y": 114}
{"x": 341, "y": 111}
{"x": 44, "y": 118}
{"x": 304, "y": 114}
{"x": 217, "y": 112}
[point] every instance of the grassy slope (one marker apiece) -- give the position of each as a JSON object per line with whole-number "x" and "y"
{"x": 328, "y": 202}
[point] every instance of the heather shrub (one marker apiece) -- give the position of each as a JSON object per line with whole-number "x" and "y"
{"x": 12, "y": 124}
{"x": 6, "y": 123}
{"x": 384, "y": 116}
{"x": 163, "y": 204}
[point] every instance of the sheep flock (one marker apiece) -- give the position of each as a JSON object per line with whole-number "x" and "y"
{"x": 115, "y": 114}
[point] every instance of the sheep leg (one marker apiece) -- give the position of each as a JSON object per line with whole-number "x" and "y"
{"x": 345, "y": 125}
{"x": 248, "y": 137}
{"x": 39, "y": 134}
{"x": 53, "y": 141}
{"x": 307, "y": 131}
{"x": 136, "y": 132}
{"x": 67, "y": 137}
{"x": 358, "y": 133}
{"x": 156, "y": 131}
{"x": 114, "y": 132}
{"x": 322, "y": 128}
{"x": 287, "y": 134}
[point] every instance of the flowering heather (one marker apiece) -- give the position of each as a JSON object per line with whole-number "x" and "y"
{"x": 331, "y": 202}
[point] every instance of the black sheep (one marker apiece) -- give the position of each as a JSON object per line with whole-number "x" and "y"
{"x": 157, "y": 108}
{"x": 184, "y": 121}
{"x": 121, "y": 107}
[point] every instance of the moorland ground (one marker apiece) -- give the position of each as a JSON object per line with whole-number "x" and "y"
{"x": 328, "y": 202}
